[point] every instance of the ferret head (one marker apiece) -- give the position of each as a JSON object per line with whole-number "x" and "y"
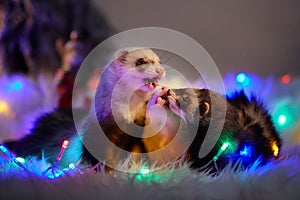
{"x": 141, "y": 65}
{"x": 187, "y": 103}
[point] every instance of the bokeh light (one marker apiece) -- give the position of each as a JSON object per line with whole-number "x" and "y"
{"x": 71, "y": 166}
{"x": 285, "y": 114}
{"x": 4, "y": 108}
{"x": 281, "y": 119}
{"x": 144, "y": 170}
{"x": 243, "y": 79}
{"x": 15, "y": 86}
{"x": 286, "y": 79}
{"x": 20, "y": 159}
{"x": 246, "y": 151}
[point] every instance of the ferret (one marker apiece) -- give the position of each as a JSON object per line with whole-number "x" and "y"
{"x": 248, "y": 129}
{"x": 135, "y": 70}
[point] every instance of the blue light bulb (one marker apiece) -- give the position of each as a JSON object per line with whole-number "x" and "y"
{"x": 246, "y": 151}
{"x": 15, "y": 86}
{"x": 242, "y": 79}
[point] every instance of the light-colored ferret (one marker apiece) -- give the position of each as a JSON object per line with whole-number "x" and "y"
{"x": 121, "y": 99}
{"x": 120, "y": 103}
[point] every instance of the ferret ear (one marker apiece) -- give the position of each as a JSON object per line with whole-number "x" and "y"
{"x": 203, "y": 109}
{"x": 120, "y": 56}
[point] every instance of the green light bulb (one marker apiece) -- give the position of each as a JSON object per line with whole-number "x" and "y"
{"x": 281, "y": 119}
{"x": 144, "y": 170}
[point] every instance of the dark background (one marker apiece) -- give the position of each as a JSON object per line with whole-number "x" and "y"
{"x": 259, "y": 37}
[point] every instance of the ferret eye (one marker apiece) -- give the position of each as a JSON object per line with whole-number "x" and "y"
{"x": 140, "y": 62}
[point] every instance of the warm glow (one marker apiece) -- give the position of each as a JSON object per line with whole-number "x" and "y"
{"x": 5, "y": 110}
{"x": 65, "y": 144}
{"x": 275, "y": 149}
{"x": 4, "y": 107}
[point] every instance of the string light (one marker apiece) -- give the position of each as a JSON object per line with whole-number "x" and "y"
{"x": 18, "y": 160}
{"x": 144, "y": 170}
{"x": 71, "y": 165}
{"x": 56, "y": 172}
{"x": 281, "y": 120}
{"x": 275, "y": 149}
{"x": 246, "y": 151}
{"x": 4, "y": 108}
{"x": 15, "y": 86}
{"x": 65, "y": 144}
{"x": 5, "y": 150}
{"x": 242, "y": 79}
{"x": 286, "y": 79}
{"x": 61, "y": 152}
{"x": 146, "y": 175}
{"x": 221, "y": 150}
{"x": 285, "y": 114}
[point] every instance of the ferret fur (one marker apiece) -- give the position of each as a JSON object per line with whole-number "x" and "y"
{"x": 247, "y": 122}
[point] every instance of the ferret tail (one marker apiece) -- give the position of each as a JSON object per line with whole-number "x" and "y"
{"x": 46, "y": 137}
{"x": 258, "y": 133}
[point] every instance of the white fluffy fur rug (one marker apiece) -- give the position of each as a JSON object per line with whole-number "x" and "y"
{"x": 279, "y": 180}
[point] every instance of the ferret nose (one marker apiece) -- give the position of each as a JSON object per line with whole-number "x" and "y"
{"x": 159, "y": 70}
{"x": 164, "y": 88}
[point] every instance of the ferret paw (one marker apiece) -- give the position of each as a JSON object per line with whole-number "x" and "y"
{"x": 156, "y": 99}
{"x": 160, "y": 102}
{"x": 162, "y": 91}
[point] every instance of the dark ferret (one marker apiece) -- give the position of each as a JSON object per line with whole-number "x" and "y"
{"x": 248, "y": 134}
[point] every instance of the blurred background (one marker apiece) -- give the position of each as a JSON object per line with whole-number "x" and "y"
{"x": 259, "y": 37}
{"x": 255, "y": 44}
